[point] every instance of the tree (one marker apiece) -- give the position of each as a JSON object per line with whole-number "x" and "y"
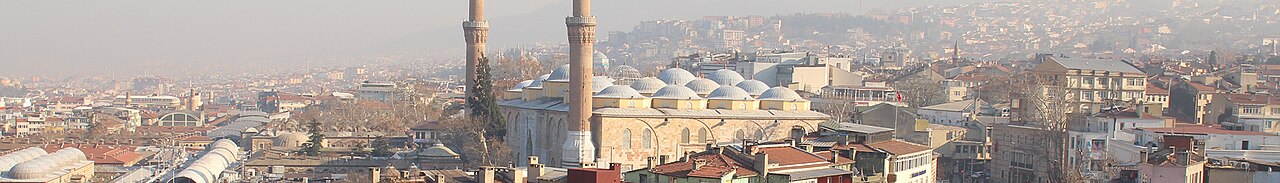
{"x": 483, "y": 107}
{"x": 476, "y": 149}
{"x": 381, "y": 148}
{"x": 1043, "y": 102}
{"x": 315, "y": 143}
{"x": 921, "y": 92}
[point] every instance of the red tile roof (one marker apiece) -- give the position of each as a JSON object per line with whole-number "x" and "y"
{"x": 717, "y": 166}
{"x": 1202, "y": 130}
{"x": 1253, "y": 98}
{"x": 102, "y": 154}
{"x": 1156, "y": 89}
{"x": 788, "y": 155}
{"x": 898, "y": 147}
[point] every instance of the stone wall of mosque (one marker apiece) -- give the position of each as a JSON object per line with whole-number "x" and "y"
{"x": 630, "y": 140}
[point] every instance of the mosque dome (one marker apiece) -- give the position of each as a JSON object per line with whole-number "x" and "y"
{"x": 599, "y": 55}
{"x": 33, "y": 169}
{"x": 676, "y": 92}
{"x": 676, "y": 76}
{"x": 648, "y": 85}
{"x": 617, "y": 91}
{"x": 537, "y": 83}
{"x": 702, "y": 86}
{"x": 289, "y": 139}
{"x": 753, "y": 87}
{"x": 725, "y": 77}
{"x": 560, "y": 74}
{"x": 520, "y": 86}
{"x": 729, "y": 93}
{"x": 780, "y": 93}
{"x": 625, "y": 72}
{"x": 600, "y": 82}
{"x": 438, "y": 150}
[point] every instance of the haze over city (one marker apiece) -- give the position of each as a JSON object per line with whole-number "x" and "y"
{"x": 657, "y": 91}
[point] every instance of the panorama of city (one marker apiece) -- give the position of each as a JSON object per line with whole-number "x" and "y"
{"x": 653, "y": 91}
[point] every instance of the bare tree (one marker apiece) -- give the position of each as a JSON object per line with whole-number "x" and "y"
{"x": 477, "y": 150}
{"x": 1044, "y": 102}
{"x": 921, "y": 92}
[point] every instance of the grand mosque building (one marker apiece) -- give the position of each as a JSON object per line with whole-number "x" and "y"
{"x": 652, "y": 117}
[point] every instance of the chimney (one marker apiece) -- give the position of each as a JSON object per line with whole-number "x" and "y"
{"x": 535, "y": 168}
{"x": 762, "y": 165}
{"x": 835, "y": 156}
{"x": 376, "y": 174}
{"x": 439, "y": 178}
{"x": 517, "y": 176}
{"x": 486, "y": 175}
{"x": 699, "y": 163}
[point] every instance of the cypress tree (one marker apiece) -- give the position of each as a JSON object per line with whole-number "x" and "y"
{"x": 483, "y": 107}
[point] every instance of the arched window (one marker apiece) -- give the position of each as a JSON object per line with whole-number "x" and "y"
{"x": 647, "y": 137}
{"x": 626, "y": 139}
{"x": 702, "y": 135}
{"x": 740, "y": 135}
{"x": 797, "y": 132}
{"x": 684, "y": 136}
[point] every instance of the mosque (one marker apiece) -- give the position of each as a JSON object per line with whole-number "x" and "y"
{"x": 636, "y": 118}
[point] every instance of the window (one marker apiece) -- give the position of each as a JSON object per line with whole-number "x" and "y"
{"x": 1087, "y": 80}
{"x": 1275, "y": 111}
{"x": 702, "y": 135}
{"x": 1104, "y": 81}
{"x": 647, "y": 137}
{"x": 626, "y": 139}
{"x": 1251, "y": 110}
{"x": 1086, "y": 95}
{"x": 684, "y": 136}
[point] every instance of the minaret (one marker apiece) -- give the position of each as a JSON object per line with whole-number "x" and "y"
{"x": 476, "y": 30}
{"x": 578, "y": 149}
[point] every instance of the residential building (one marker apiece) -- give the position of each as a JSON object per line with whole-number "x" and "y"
{"x": 1179, "y": 159}
{"x": 1251, "y": 112}
{"x": 779, "y": 162}
{"x": 1091, "y": 83}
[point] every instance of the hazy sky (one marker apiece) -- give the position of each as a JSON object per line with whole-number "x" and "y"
{"x": 64, "y": 37}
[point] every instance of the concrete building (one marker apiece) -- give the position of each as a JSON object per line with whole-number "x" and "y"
{"x": 1251, "y": 112}
{"x": 1094, "y": 82}
{"x": 379, "y": 91}
{"x": 1179, "y": 159}
{"x": 1020, "y": 154}
{"x": 157, "y": 102}
{"x": 652, "y": 118}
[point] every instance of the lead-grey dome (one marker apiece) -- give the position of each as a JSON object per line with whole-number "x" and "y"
{"x": 560, "y": 74}
{"x": 648, "y": 85}
{"x": 521, "y": 85}
{"x": 625, "y": 72}
{"x": 676, "y": 76}
{"x": 600, "y": 82}
{"x": 676, "y": 92}
{"x": 780, "y": 93}
{"x": 730, "y": 93}
{"x": 537, "y": 83}
{"x": 702, "y": 86}
{"x": 725, "y": 77}
{"x": 753, "y": 87}
{"x": 617, "y": 91}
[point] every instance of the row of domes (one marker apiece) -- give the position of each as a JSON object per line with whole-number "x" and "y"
{"x": 674, "y": 83}
{"x": 34, "y": 163}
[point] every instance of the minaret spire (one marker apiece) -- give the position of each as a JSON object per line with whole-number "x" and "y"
{"x": 578, "y": 150}
{"x": 476, "y": 30}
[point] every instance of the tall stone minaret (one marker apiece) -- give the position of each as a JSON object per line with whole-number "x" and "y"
{"x": 578, "y": 149}
{"x": 476, "y": 30}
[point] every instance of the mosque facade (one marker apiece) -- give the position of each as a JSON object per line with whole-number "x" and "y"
{"x": 669, "y": 115}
